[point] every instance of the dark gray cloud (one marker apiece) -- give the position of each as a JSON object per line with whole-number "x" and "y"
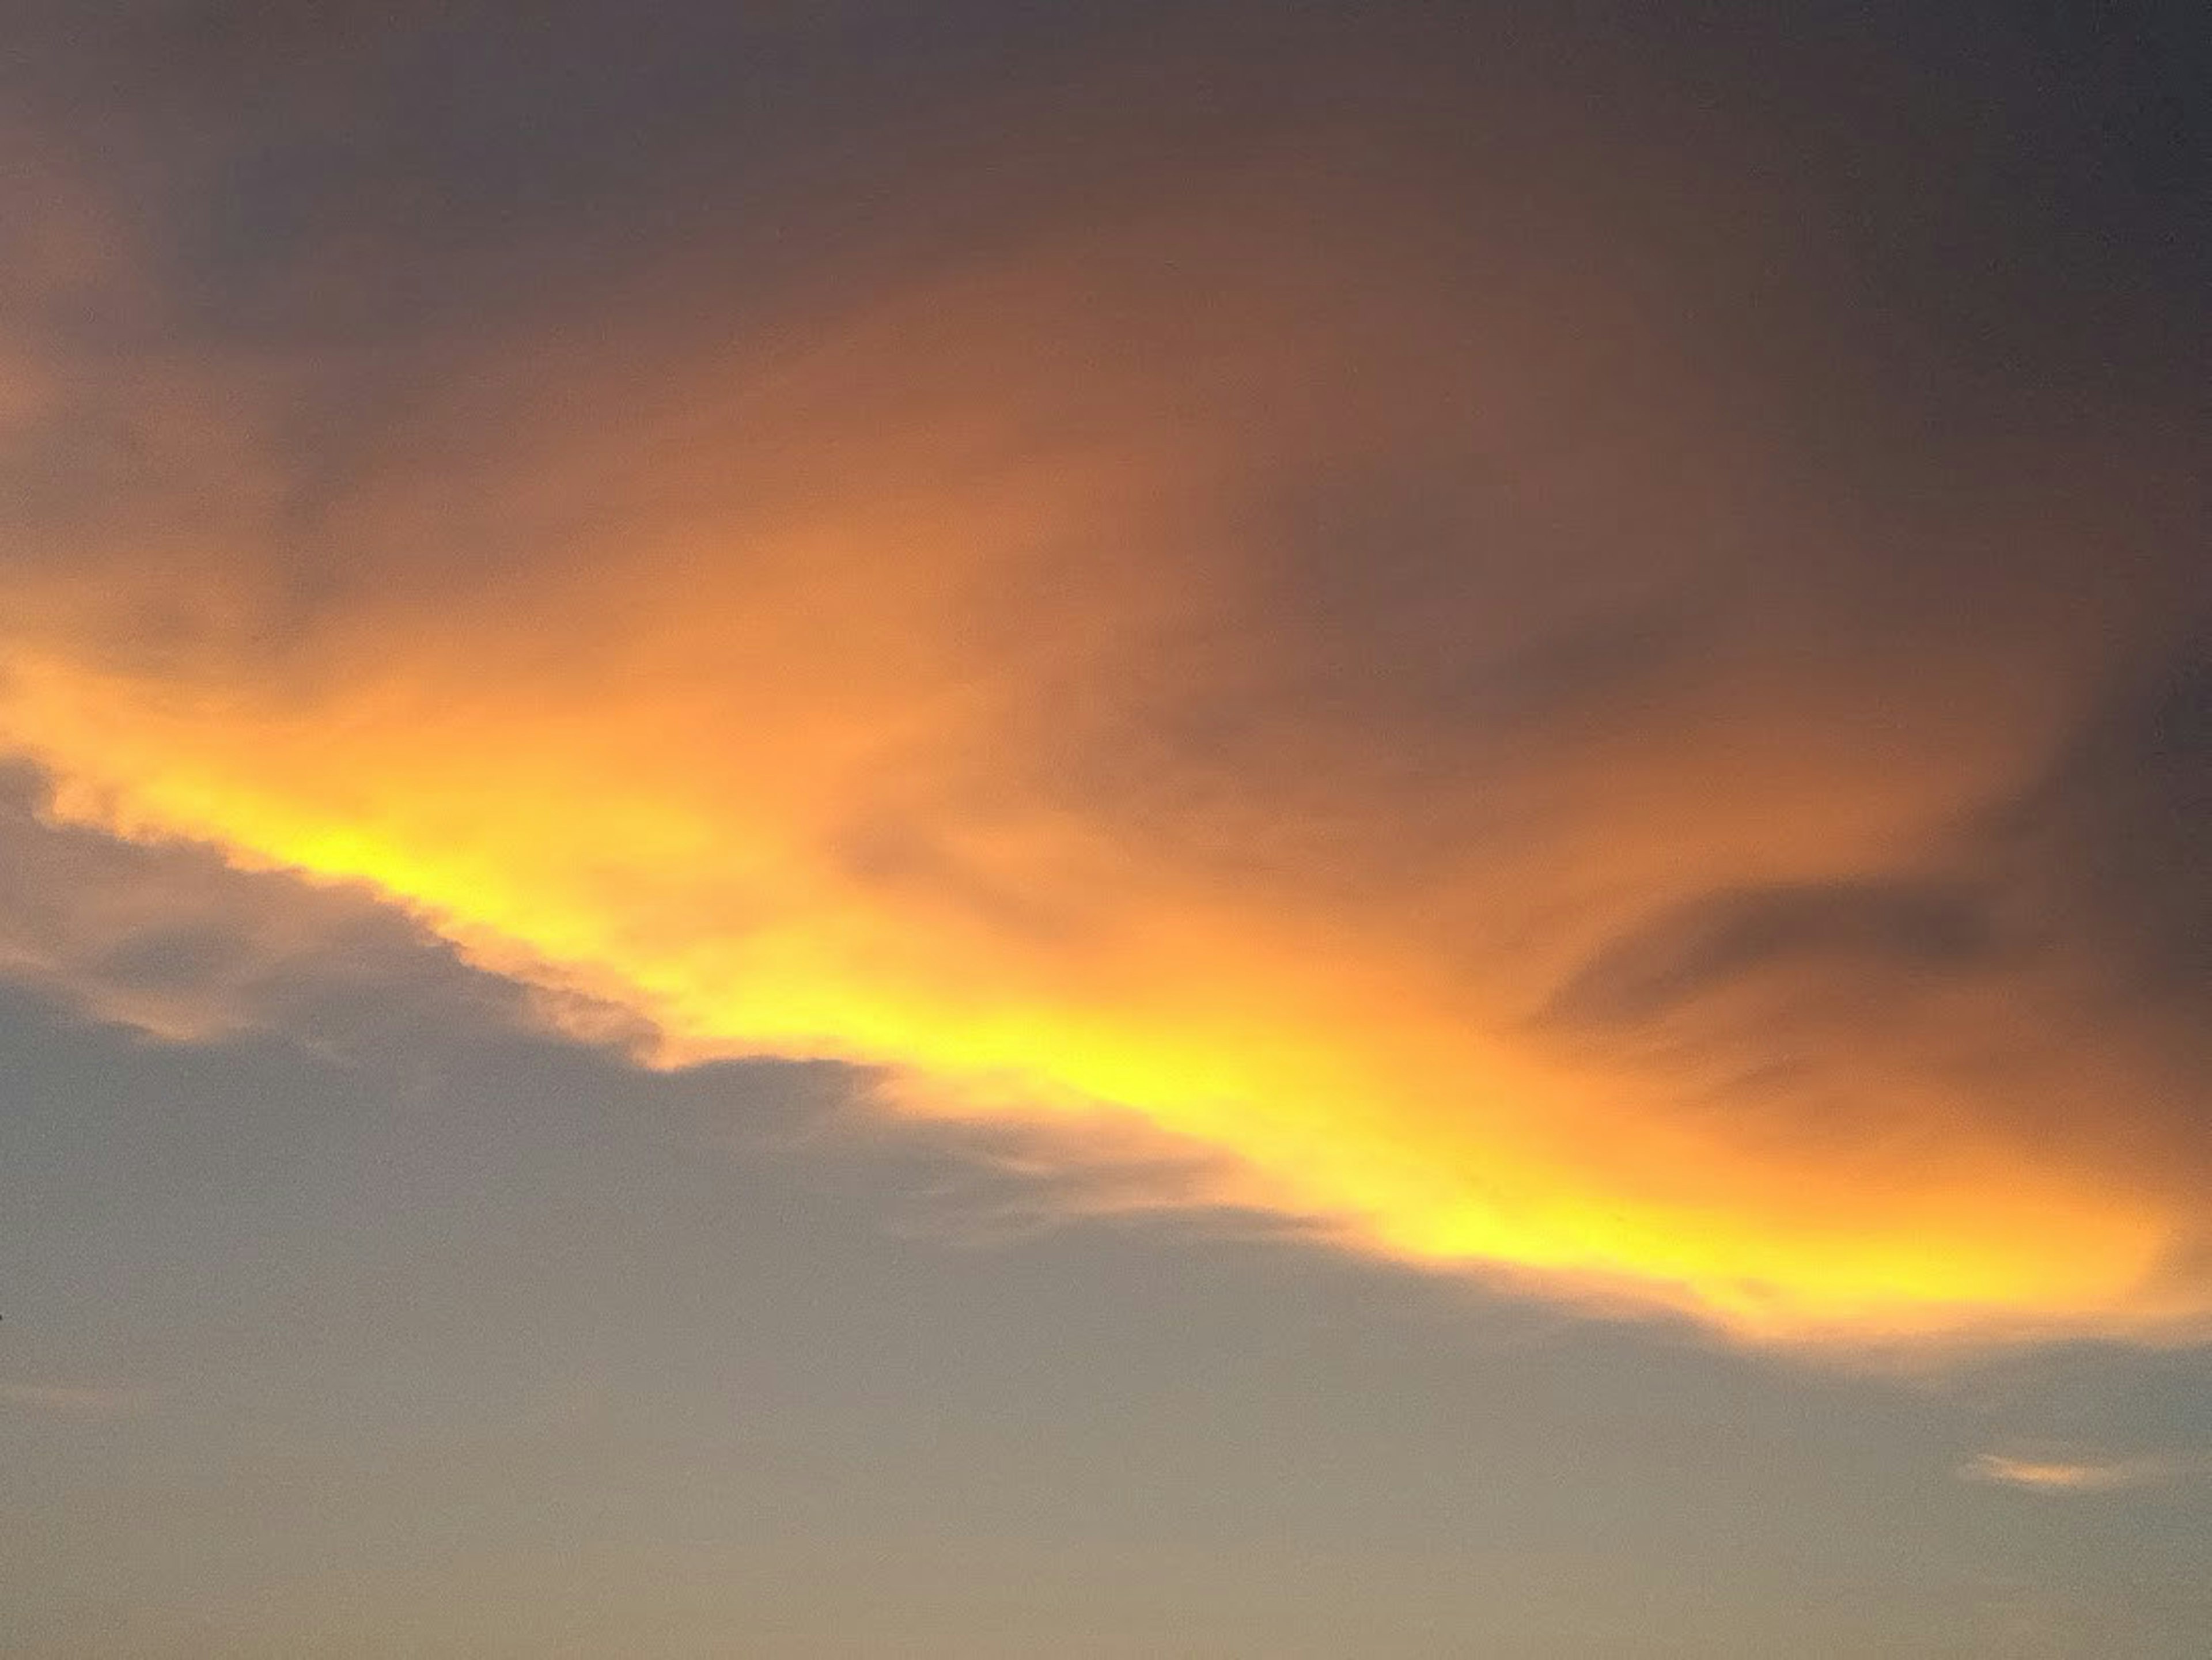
{"x": 1890, "y": 928}
{"x": 2117, "y": 839}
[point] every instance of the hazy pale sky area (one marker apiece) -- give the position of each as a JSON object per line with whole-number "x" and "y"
{"x": 1190, "y": 830}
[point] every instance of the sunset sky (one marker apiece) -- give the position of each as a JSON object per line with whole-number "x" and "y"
{"x": 1205, "y": 830}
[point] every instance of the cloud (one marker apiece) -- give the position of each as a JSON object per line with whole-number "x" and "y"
{"x": 1518, "y": 708}
{"x": 1726, "y": 938}
{"x": 2063, "y": 1475}
{"x": 167, "y": 938}
{"x": 2118, "y": 836}
{"x": 86, "y": 1402}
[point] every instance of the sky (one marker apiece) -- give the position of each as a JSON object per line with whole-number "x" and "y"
{"x": 1205, "y": 830}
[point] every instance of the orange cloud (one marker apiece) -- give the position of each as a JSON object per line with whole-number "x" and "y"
{"x": 2069, "y": 1475}
{"x": 1095, "y": 678}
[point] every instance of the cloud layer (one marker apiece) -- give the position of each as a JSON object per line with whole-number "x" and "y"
{"x": 1565, "y": 718}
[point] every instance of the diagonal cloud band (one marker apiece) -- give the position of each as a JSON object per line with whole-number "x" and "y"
{"x": 1516, "y": 711}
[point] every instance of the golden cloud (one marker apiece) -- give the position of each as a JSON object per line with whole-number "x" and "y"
{"x": 1241, "y": 663}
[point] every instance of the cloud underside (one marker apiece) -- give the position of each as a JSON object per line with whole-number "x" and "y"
{"x": 1438, "y": 722}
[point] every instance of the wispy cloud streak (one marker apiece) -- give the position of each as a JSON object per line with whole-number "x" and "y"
{"x": 2061, "y": 1476}
{"x": 87, "y": 1402}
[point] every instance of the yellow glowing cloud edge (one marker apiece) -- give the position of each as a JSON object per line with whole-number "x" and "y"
{"x": 1341, "y": 1092}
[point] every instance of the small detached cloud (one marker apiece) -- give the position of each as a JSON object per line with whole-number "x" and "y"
{"x": 83, "y": 1402}
{"x": 2053, "y": 1473}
